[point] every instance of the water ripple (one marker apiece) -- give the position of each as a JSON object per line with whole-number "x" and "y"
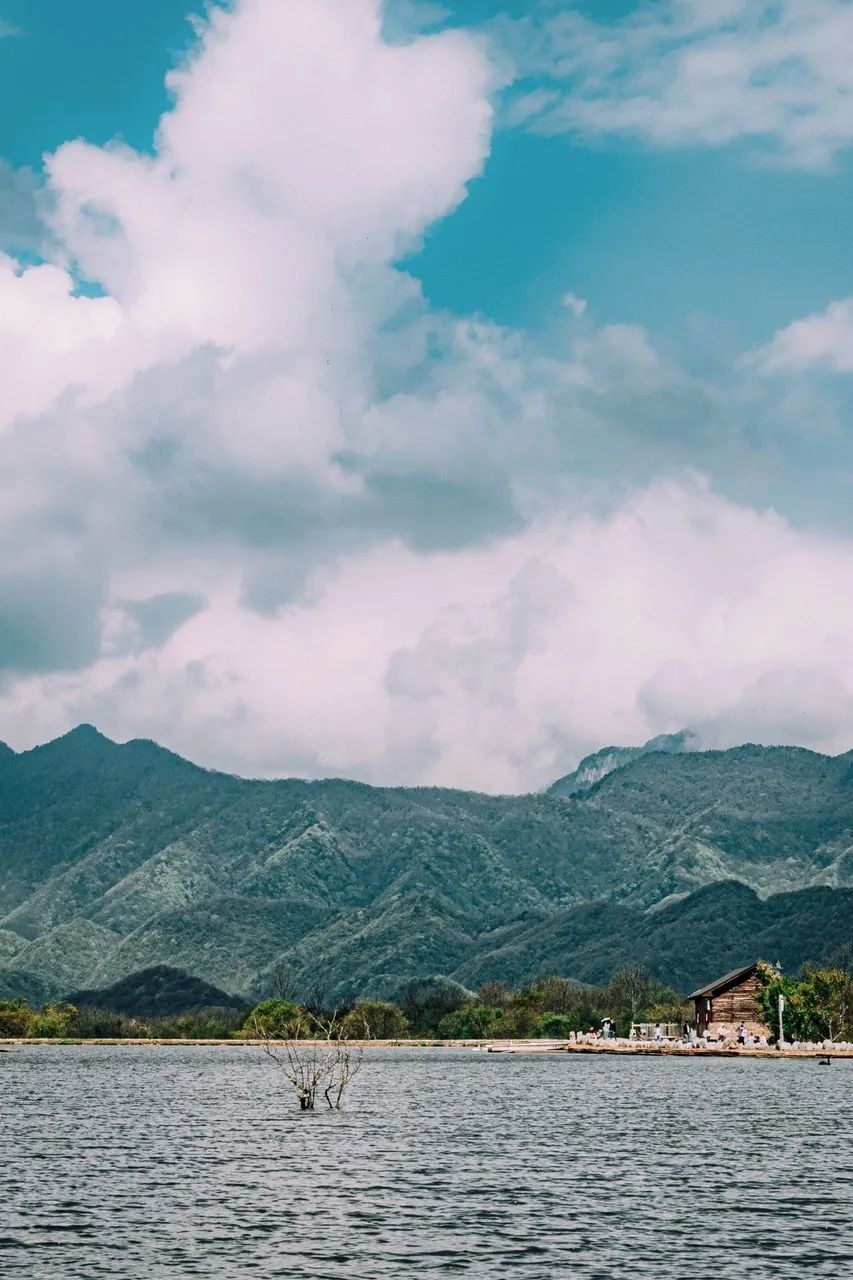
{"x": 149, "y": 1163}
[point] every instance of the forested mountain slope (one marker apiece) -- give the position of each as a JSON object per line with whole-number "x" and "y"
{"x": 595, "y": 767}
{"x": 115, "y": 858}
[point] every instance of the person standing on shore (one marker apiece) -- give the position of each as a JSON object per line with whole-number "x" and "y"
{"x": 658, "y": 1031}
{"x": 741, "y": 1036}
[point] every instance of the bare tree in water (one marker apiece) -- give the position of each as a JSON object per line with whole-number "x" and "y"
{"x": 317, "y": 1057}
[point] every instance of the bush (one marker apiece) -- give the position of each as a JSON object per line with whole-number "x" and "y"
{"x": 99, "y": 1024}
{"x": 55, "y": 1022}
{"x": 217, "y": 1023}
{"x": 555, "y": 1026}
{"x": 519, "y": 1022}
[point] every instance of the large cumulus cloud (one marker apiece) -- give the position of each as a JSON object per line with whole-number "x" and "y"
{"x": 260, "y": 502}
{"x": 201, "y": 394}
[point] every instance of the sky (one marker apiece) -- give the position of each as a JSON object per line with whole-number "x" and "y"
{"x": 426, "y": 393}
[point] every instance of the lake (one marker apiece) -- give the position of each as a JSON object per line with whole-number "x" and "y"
{"x": 179, "y": 1161}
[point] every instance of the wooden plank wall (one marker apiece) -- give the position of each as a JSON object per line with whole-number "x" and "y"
{"x": 739, "y": 1004}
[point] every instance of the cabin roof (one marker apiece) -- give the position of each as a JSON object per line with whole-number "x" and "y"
{"x": 728, "y": 980}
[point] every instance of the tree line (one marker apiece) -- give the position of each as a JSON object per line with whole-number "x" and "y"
{"x": 818, "y": 1006}
{"x": 427, "y": 1009}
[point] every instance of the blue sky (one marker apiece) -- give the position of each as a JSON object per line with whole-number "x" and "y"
{"x": 489, "y": 370}
{"x": 648, "y": 238}
{"x": 658, "y": 239}
{"x": 93, "y": 69}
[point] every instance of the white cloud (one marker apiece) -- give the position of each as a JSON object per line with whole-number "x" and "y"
{"x": 823, "y": 340}
{"x": 497, "y": 667}
{"x": 51, "y": 340}
{"x": 713, "y": 72}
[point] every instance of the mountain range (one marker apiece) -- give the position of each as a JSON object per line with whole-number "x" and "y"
{"x": 116, "y": 858}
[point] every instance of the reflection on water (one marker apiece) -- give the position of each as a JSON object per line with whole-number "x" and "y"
{"x": 148, "y": 1162}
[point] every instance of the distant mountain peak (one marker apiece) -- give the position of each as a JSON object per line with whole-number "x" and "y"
{"x": 83, "y": 742}
{"x": 597, "y": 766}
{"x": 83, "y": 733}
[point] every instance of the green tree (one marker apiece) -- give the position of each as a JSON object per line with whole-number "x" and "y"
{"x": 426, "y": 1001}
{"x": 555, "y": 1026}
{"x": 831, "y": 994}
{"x": 818, "y": 1003}
{"x": 15, "y": 1016}
{"x": 471, "y": 1022}
{"x": 375, "y": 1020}
{"x": 55, "y": 1022}
{"x": 519, "y": 1021}
{"x": 496, "y": 993}
{"x": 273, "y": 1020}
{"x": 561, "y": 995}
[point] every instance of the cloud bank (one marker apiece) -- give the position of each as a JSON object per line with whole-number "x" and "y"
{"x": 260, "y": 502}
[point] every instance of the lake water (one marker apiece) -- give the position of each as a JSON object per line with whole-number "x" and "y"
{"x": 149, "y": 1162}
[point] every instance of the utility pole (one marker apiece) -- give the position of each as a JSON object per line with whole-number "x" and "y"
{"x": 781, "y": 1011}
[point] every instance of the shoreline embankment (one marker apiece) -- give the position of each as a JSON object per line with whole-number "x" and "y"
{"x": 665, "y": 1050}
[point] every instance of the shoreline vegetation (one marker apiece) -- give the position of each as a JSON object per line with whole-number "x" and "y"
{"x": 549, "y": 1014}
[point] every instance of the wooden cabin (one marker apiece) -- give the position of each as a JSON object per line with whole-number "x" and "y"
{"x": 732, "y": 999}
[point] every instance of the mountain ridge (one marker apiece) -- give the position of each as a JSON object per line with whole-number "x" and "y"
{"x": 116, "y": 857}
{"x": 599, "y": 764}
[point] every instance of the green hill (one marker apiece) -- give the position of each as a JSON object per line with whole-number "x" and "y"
{"x": 159, "y": 992}
{"x": 710, "y": 932}
{"x": 115, "y": 858}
